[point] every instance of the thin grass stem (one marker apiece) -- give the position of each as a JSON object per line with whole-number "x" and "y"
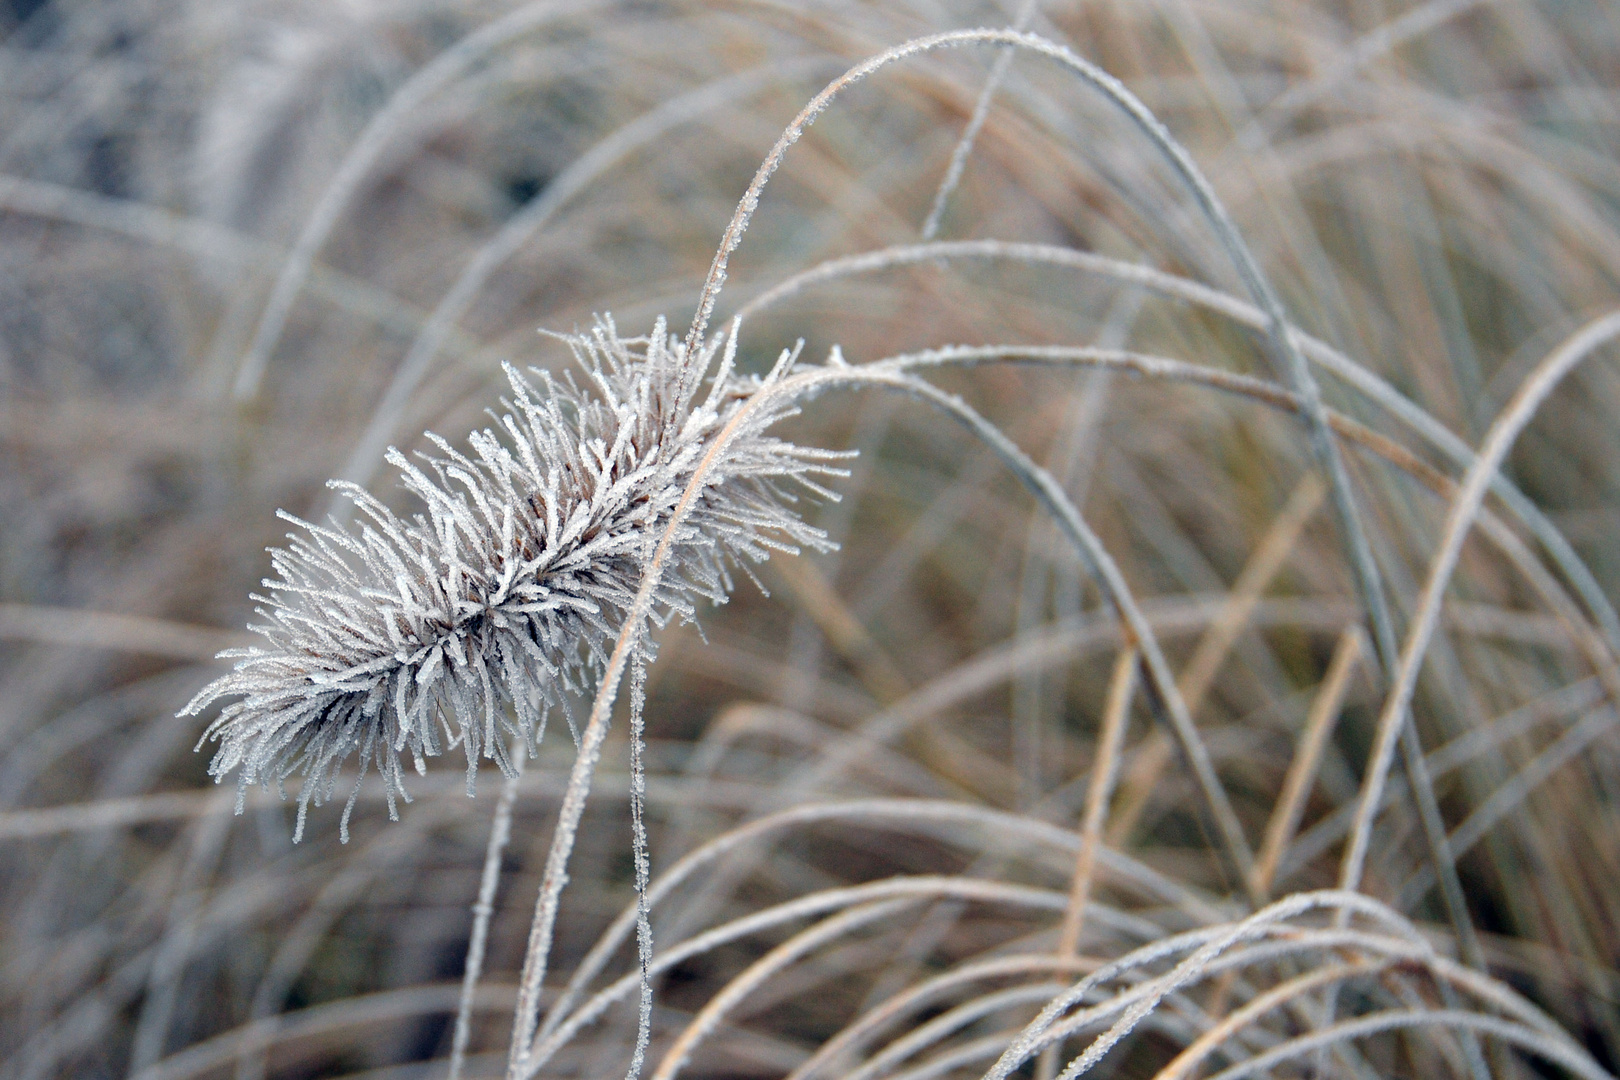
{"x": 1319, "y": 721}
{"x": 500, "y": 832}
{"x": 1116, "y": 712}
{"x": 1464, "y": 509}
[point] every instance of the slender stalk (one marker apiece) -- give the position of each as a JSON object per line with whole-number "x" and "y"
{"x": 1559, "y": 1052}
{"x": 554, "y": 877}
{"x": 555, "y": 874}
{"x": 1121, "y": 687}
{"x": 909, "y": 888}
{"x": 1166, "y": 696}
{"x": 970, "y": 134}
{"x": 1324, "y": 713}
{"x": 1278, "y": 329}
{"x": 917, "y": 993}
{"x": 1464, "y": 509}
{"x": 1195, "y": 680}
{"x": 1352, "y": 374}
{"x": 867, "y": 811}
{"x": 500, "y": 831}
{"x": 733, "y": 993}
{"x": 1186, "y": 1062}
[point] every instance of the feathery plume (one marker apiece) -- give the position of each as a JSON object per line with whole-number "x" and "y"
{"x": 507, "y": 595}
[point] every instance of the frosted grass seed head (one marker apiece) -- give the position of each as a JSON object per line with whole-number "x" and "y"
{"x": 470, "y": 621}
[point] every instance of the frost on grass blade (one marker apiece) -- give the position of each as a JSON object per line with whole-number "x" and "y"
{"x": 468, "y": 622}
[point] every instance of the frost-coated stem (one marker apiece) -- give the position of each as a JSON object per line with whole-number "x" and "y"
{"x": 1464, "y": 508}
{"x": 970, "y": 134}
{"x": 1203, "y": 948}
{"x": 1293, "y": 363}
{"x": 500, "y": 831}
{"x": 1558, "y": 1051}
{"x": 639, "y": 850}
{"x": 866, "y": 811}
{"x": 1166, "y": 696}
{"x": 777, "y": 387}
{"x": 1104, "y": 771}
{"x": 1319, "y": 722}
{"x": 1287, "y": 352}
{"x": 738, "y": 989}
{"x": 1342, "y": 367}
{"x": 555, "y": 875}
{"x": 1121, "y": 688}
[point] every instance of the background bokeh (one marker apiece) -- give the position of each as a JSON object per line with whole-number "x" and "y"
{"x": 246, "y": 246}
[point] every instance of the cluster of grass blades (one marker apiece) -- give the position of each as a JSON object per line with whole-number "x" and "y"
{"x": 1212, "y": 671}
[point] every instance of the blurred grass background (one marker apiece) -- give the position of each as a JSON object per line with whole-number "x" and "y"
{"x": 1433, "y": 188}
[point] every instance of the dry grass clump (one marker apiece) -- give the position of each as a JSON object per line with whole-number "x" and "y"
{"x": 1215, "y": 674}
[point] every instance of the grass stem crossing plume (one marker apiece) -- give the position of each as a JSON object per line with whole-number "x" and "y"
{"x": 507, "y": 596}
